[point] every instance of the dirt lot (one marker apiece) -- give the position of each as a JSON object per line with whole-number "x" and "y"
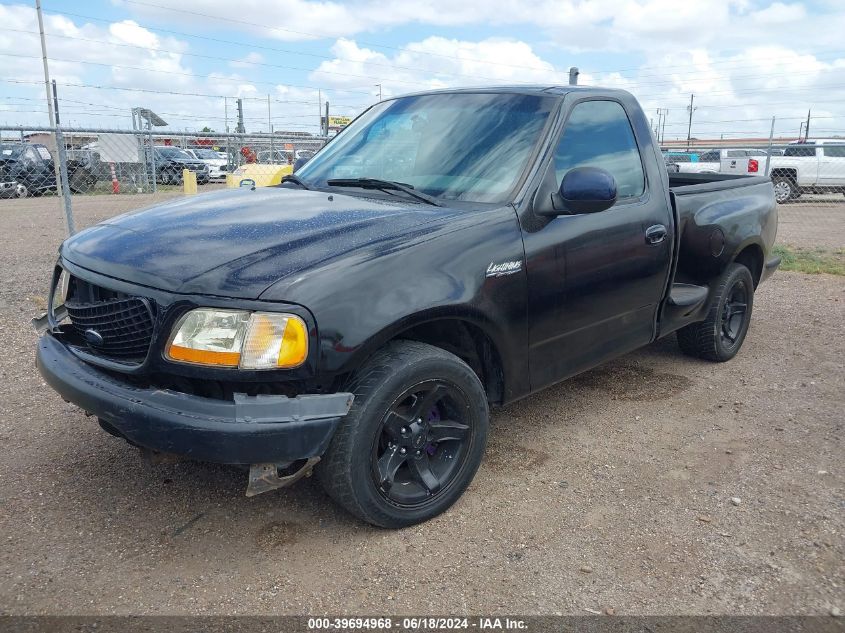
{"x": 611, "y": 490}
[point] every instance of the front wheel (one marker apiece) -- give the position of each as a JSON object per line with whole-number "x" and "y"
{"x": 721, "y": 334}
{"x": 413, "y": 439}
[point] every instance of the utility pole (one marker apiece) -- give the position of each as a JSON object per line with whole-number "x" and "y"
{"x": 691, "y": 110}
{"x": 50, "y": 108}
{"x": 226, "y": 113}
{"x": 60, "y": 164}
{"x": 327, "y": 118}
{"x": 320, "y": 109}
{"x": 50, "y": 105}
{"x": 240, "y": 129}
{"x": 379, "y": 91}
{"x": 807, "y": 127}
{"x": 663, "y": 131}
{"x": 661, "y": 124}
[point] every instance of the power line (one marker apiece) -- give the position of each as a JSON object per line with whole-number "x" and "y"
{"x": 170, "y": 72}
{"x": 228, "y": 19}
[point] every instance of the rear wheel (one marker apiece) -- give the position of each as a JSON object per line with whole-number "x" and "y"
{"x": 21, "y": 190}
{"x": 412, "y": 440}
{"x": 786, "y": 189}
{"x": 721, "y": 334}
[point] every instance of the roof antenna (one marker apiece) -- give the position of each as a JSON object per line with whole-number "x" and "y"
{"x": 573, "y": 76}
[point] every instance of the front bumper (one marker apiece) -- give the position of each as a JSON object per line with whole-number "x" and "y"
{"x": 247, "y": 430}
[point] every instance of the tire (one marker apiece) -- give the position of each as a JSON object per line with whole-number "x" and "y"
{"x": 786, "y": 189}
{"x": 21, "y": 190}
{"x": 720, "y": 336}
{"x": 383, "y": 464}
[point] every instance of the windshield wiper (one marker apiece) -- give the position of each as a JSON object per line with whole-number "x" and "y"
{"x": 295, "y": 180}
{"x": 384, "y": 185}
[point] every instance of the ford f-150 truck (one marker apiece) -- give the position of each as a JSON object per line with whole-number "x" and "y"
{"x": 446, "y": 253}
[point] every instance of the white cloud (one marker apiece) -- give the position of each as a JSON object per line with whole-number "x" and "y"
{"x": 248, "y": 61}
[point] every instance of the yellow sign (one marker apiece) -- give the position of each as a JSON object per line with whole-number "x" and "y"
{"x": 339, "y": 121}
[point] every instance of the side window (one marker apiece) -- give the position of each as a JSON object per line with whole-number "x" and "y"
{"x": 800, "y": 150}
{"x": 736, "y": 153}
{"x": 598, "y": 134}
{"x": 836, "y": 151}
{"x": 709, "y": 157}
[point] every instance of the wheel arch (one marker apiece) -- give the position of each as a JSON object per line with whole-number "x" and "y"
{"x": 789, "y": 172}
{"x": 751, "y": 256}
{"x": 470, "y": 339}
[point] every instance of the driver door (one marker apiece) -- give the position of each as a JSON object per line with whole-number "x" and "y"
{"x": 596, "y": 280}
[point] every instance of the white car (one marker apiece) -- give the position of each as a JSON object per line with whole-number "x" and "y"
{"x": 217, "y": 166}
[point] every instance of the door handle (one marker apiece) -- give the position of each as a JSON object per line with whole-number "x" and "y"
{"x": 655, "y": 234}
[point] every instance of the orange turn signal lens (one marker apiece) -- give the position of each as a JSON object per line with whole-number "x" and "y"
{"x": 203, "y": 357}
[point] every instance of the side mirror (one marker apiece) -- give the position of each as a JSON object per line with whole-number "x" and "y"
{"x": 585, "y": 190}
{"x": 299, "y": 162}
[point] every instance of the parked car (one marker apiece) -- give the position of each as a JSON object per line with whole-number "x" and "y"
{"x": 817, "y": 166}
{"x": 27, "y": 169}
{"x": 170, "y": 163}
{"x": 679, "y": 157}
{"x": 275, "y": 157}
{"x": 217, "y": 167}
{"x": 706, "y": 162}
{"x": 363, "y": 326}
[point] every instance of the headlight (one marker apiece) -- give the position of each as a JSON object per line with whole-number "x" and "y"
{"x": 237, "y": 338}
{"x": 60, "y": 291}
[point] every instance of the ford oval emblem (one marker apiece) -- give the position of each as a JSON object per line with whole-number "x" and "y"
{"x": 93, "y": 337}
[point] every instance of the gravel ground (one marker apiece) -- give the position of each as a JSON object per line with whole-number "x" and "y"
{"x": 813, "y": 222}
{"x": 613, "y": 490}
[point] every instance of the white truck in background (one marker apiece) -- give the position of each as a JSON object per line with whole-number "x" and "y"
{"x": 725, "y": 160}
{"x": 816, "y": 166}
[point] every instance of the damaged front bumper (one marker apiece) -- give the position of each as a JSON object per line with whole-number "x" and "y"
{"x": 264, "y": 431}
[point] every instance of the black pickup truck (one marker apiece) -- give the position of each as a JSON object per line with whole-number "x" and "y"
{"x": 448, "y": 252}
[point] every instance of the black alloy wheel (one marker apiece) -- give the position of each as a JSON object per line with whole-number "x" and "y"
{"x": 721, "y": 334}
{"x": 413, "y": 439}
{"x": 422, "y": 443}
{"x": 734, "y": 310}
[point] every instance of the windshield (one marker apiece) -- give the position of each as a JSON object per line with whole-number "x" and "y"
{"x": 463, "y": 146}
{"x": 173, "y": 152}
{"x": 207, "y": 154}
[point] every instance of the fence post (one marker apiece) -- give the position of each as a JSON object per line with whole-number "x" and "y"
{"x": 64, "y": 184}
{"x": 153, "y": 161}
{"x": 769, "y": 151}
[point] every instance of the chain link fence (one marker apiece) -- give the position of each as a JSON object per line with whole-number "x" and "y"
{"x": 109, "y": 171}
{"x": 129, "y": 169}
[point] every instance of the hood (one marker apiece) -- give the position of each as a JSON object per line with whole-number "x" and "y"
{"x": 238, "y": 242}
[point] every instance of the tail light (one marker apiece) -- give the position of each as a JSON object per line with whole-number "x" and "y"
{"x": 753, "y": 166}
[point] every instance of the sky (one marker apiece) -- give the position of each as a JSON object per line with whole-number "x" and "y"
{"x": 745, "y": 61}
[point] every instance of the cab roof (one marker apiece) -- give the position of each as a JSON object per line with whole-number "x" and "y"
{"x": 539, "y": 90}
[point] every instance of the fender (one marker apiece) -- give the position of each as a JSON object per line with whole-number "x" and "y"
{"x": 466, "y": 270}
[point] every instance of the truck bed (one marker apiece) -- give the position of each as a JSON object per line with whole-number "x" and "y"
{"x": 686, "y": 184}
{"x": 717, "y": 216}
